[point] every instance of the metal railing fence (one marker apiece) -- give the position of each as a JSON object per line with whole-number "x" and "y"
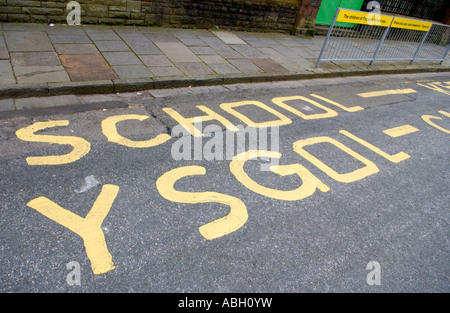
{"x": 362, "y": 36}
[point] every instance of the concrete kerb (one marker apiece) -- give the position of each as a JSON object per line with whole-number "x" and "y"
{"x": 62, "y": 109}
{"x": 23, "y": 91}
{"x": 134, "y": 85}
{"x": 81, "y": 88}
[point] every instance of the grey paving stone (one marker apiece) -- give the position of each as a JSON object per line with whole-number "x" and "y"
{"x": 181, "y": 32}
{"x": 37, "y": 67}
{"x": 288, "y": 42}
{"x": 272, "y": 35}
{"x": 202, "y": 50}
{"x": 91, "y": 28}
{"x": 263, "y": 43}
{"x": 245, "y": 66}
{"x": 127, "y": 31}
{"x": 247, "y": 35}
{"x": 155, "y": 60}
{"x": 34, "y": 59}
{"x": 294, "y": 67}
{"x": 269, "y": 66}
{"x": 30, "y": 70}
{"x": 164, "y": 71}
{"x": 4, "y": 54}
{"x": 103, "y": 35}
{"x": 109, "y": 46}
{"x": 315, "y": 45}
{"x": 161, "y": 37}
{"x": 141, "y": 46}
{"x": 229, "y": 38}
{"x": 68, "y": 48}
{"x": 191, "y": 41}
{"x": 224, "y": 68}
{"x": 20, "y": 41}
{"x": 215, "y": 43}
{"x": 201, "y": 32}
{"x": 213, "y": 59}
{"x": 248, "y": 52}
{"x": 151, "y": 30}
{"x": 121, "y": 58}
{"x": 230, "y": 54}
{"x": 65, "y": 38}
{"x": 275, "y": 55}
{"x": 59, "y": 29}
{"x": 29, "y": 27}
{"x": 306, "y": 41}
{"x": 194, "y": 69}
{"x": 139, "y": 43}
{"x": 177, "y": 52}
{"x": 304, "y": 52}
{"x": 132, "y": 71}
{"x": 48, "y": 77}
{"x": 6, "y": 73}
{"x": 288, "y": 51}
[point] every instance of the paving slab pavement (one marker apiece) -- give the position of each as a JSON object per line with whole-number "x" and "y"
{"x": 42, "y": 60}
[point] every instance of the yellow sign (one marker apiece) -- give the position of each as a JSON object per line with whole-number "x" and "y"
{"x": 370, "y": 18}
{"x": 411, "y": 24}
{"x": 366, "y": 18}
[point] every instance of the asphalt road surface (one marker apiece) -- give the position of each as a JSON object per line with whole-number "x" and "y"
{"x": 350, "y": 193}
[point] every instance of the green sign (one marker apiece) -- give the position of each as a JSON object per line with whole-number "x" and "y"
{"x": 328, "y": 8}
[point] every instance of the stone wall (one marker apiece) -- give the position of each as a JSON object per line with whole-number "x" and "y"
{"x": 230, "y": 14}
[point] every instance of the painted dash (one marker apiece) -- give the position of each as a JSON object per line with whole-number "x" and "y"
{"x": 386, "y": 92}
{"x": 400, "y": 131}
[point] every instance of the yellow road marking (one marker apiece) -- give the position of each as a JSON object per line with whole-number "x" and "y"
{"x": 189, "y": 123}
{"x": 386, "y": 92}
{"x": 88, "y": 228}
{"x": 369, "y": 168}
{"x": 80, "y": 146}
{"x": 309, "y": 181}
{"x": 396, "y": 158}
{"x": 110, "y": 131}
{"x": 444, "y": 113}
{"x": 280, "y": 101}
{"x": 427, "y": 118}
{"x": 400, "y": 131}
{"x": 282, "y": 119}
{"x": 437, "y": 87}
{"x": 233, "y": 221}
{"x": 351, "y": 109}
